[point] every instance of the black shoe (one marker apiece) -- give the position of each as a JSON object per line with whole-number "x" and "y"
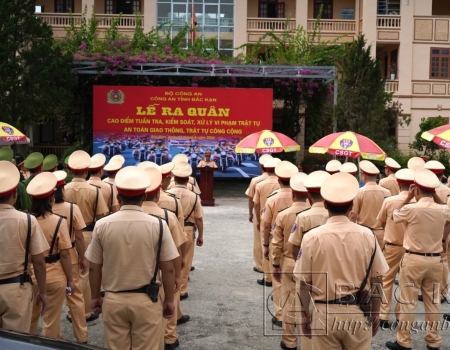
{"x": 384, "y": 324}
{"x": 447, "y": 317}
{"x": 284, "y": 347}
{"x": 172, "y": 346}
{"x": 182, "y": 297}
{"x": 263, "y": 282}
{"x": 93, "y": 317}
{"x": 256, "y": 269}
{"x": 276, "y": 322}
{"x": 70, "y": 320}
{"x": 183, "y": 319}
{"x": 431, "y": 348}
{"x": 395, "y": 346}
{"x": 396, "y": 282}
{"x": 192, "y": 268}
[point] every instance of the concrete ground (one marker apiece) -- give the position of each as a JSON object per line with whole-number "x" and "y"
{"x": 228, "y": 309}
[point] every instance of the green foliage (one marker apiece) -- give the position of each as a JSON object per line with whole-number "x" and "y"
{"x": 423, "y": 146}
{"x": 362, "y": 98}
{"x": 35, "y": 80}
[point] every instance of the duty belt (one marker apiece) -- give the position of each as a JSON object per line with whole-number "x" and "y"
{"x": 188, "y": 223}
{"x": 351, "y": 299}
{"x": 423, "y": 254}
{"x": 17, "y": 279}
{"x": 139, "y": 290}
{"x": 52, "y": 258}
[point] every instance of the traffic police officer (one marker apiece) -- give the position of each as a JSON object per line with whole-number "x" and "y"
{"x": 333, "y": 166}
{"x": 339, "y": 252}
{"x": 132, "y": 307}
{"x": 367, "y": 204}
{"x": 193, "y": 217}
{"x": 107, "y": 189}
{"x": 76, "y": 224}
{"x": 114, "y": 165}
{"x": 57, "y": 258}
{"x": 390, "y": 182}
{"x": 349, "y": 168}
{"x": 422, "y": 265}
{"x": 393, "y": 241}
{"x": 416, "y": 163}
{"x": 92, "y": 206}
{"x": 250, "y": 193}
{"x": 207, "y": 162}
{"x": 192, "y": 184}
{"x": 21, "y": 237}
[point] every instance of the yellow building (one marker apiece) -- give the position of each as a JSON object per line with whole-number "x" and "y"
{"x": 411, "y": 38}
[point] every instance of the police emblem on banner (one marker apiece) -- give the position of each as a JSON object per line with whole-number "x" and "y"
{"x": 8, "y": 130}
{"x": 115, "y": 97}
{"x": 346, "y": 143}
{"x": 268, "y": 141}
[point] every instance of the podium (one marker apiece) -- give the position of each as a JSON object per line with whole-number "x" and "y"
{"x": 207, "y": 186}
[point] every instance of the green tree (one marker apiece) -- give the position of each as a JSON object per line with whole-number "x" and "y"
{"x": 362, "y": 98}
{"x": 35, "y": 76}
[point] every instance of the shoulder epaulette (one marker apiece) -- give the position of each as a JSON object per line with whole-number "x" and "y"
{"x": 172, "y": 211}
{"x": 261, "y": 180}
{"x": 284, "y": 209}
{"x": 272, "y": 194}
{"x": 96, "y": 186}
{"x": 301, "y": 211}
{"x": 169, "y": 193}
{"x": 61, "y": 216}
{"x": 312, "y": 228}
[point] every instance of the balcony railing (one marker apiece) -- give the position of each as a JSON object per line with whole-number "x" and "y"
{"x": 334, "y": 26}
{"x": 268, "y": 24}
{"x": 388, "y": 21}
{"x": 391, "y": 86}
{"x": 65, "y": 20}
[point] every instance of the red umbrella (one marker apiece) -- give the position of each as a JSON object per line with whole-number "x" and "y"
{"x": 267, "y": 141}
{"x": 439, "y": 135}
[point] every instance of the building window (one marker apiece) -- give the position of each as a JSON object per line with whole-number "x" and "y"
{"x": 63, "y": 6}
{"x": 327, "y": 12}
{"x": 439, "y": 63}
{"x": 271, "y": 9}
{"x": 126, "y": 7}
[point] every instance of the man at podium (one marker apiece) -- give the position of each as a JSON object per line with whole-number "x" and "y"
{"x": 207, "y": 162}
{"x": 207, "y": 167}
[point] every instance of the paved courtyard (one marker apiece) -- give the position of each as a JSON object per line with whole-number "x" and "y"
{"x": 227, "y": 307}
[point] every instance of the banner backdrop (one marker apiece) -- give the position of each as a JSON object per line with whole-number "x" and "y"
{"x": 156, "y": 123}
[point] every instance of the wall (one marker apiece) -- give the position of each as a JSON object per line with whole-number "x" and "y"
{"x": 252, "y": 8}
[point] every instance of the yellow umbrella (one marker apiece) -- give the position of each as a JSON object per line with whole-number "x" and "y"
{"x": 10, "y": 135}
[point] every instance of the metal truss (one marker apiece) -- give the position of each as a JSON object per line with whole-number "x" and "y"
{"x": 325, "y": 74}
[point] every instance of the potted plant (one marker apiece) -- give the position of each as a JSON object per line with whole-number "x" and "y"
{"x": 393, "y": 70}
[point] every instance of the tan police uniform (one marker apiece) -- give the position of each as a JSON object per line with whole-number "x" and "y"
{"x": 425, "y": 221}
{"x": 107, "y": 189}
{"x": 89, "y": 199}
{"x": 192, "y": 185}
{"x": 204, "y": 163}
{"x": 333, "y": 260}
{"x": 367, "y": 204}
{"x": 57, "y": 235}
{"x": 179, "y": 238}
{"x": 114, "y": 165}
{"x": 130, "y": 319}
{"x": 192, "y": 210}
{"x": 393, "y": 240}
{"x": 16, "y": 298}
{"x": 257, "y": 248}
{"x": 75, "y": 222}
{"x": 333, "y": 166}
{"x": 390, "y": 182}
{"x": 262, "y": 192}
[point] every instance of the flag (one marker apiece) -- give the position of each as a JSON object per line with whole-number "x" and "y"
{"x": 193, "y": 24}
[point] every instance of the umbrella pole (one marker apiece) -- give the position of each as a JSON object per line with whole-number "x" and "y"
{"x": 359, "y": 172}
{"x": 346, "y": 159}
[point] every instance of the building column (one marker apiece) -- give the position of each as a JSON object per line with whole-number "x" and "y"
{"x": 301, "y": 13}
{"x": 369, "y": 27}
{"x": 357, "y": 18}
{"x": 150, "y": 15}
{"x": 405, "y": 54}
{"x": 240, "y": 24}
{"x": 89, "y": 5}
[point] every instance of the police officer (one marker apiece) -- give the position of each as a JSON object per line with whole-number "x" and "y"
{"x": 333, "y": 166}
{"x": 438, "y": 168}
{"x": 21, "y": 237}
{"x": 393, "y": 241}
{"x": 192, "y": 183}
{"x": 339, "y": 253}
{"x": 193, "y": 218}
{"x": 33, "y": 163}
{"x": 107, "y": 189}
{"x": 114, "y": 165}
{"x": 415, "y": 163}
{"x": 57, "y": 258}
{"x": 283, "y": 263}
{"x": 207, "y": 162}
{"x": 349, "y": 168}
{"x": 250, "y": 193}
{"x": 151, "y": 207}
{"x": 50, "y": 163}
{"x": 422, "y": 265}
{"x": 367, "y": 204}
{"x": 23, "y": 201}
{"x": 132, "y": 307}
{"x": 262, "y": 191}
{"x": 390, "y": 182}
{"x": 76, "y": 224}
{"x": 92, "y": 206}
{"x": 276, "y": 202}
